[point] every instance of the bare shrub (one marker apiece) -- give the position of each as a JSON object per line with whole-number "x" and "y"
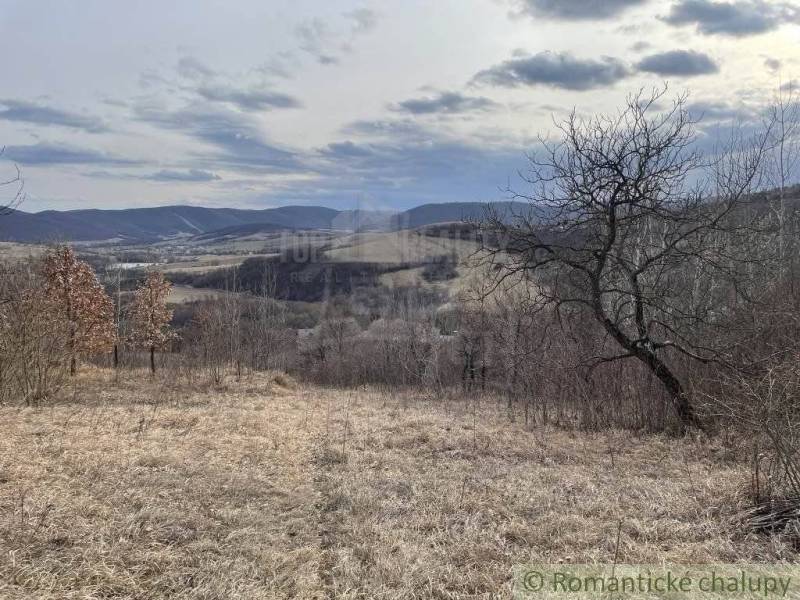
{"x": 766, "y": 407}
{"x": 34, "y": 343}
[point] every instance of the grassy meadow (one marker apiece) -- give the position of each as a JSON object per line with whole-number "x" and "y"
{"x": 128, "y": 487}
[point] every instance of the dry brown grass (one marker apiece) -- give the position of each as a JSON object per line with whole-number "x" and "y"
{"x": 271, "y": 489}
{"x": 396, "y": 247}
{"x": 180, "y": 294}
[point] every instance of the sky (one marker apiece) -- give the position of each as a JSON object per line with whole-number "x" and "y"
{"x": 375, "y": 104}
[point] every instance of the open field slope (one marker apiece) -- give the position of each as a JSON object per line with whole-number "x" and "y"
{"x": 269, "y": 489}
{"x": 397, "y": 247}
{"x": 11, "y": 252}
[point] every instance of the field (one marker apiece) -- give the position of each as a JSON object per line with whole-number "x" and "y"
{"x": 204, "y": 263}
{"x": 267, "y": 488}
{"x": 180, "y": 294}
{"x": 400, "y": 247}
{"x": 13, "y": 252}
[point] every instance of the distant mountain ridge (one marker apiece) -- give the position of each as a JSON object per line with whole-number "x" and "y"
{"x": 430, "y": 214}
{"x": 150, "y": 224}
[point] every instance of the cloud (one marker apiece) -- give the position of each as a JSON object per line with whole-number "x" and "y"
{"x": 346, "y": 148}
{"x": 328, "y": 42}
{"x": 216, "y": 86}
{"x": 404, "y": 161}
{"x": 364, "y": 20}
{"x": 720, "y": 111}
{"x": 315, "y": 39}
{"x": 685, "y": 63}
{"x": 29, "y": 112}
{"x": 43, "y": 153}
{"x": 444, "y": 102}
{"x": 282, "y": 65}
{"x": 192, "y": 175}
{"x": 191, "y": 68}
{"x": 248, "y": 100}
{"x": 235, "y": 135}
{"x": 557, "y": 70}
{"x": 577, "y": 10}
{"x": 739, "y": 18}
{"x": 407, "y": 130}
{"x": 773, "y": 64}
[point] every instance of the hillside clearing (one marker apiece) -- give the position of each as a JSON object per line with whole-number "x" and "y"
{"x": 397, "y": 247}
{"x": 180, "y": 294}
{"x": 269, "y": 489}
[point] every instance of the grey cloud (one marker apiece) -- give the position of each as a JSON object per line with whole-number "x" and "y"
{"x": 30, "y": 112}
{"x": 215, "y": 86}
{"x": 57, "y": 154}
{"x": 445, "y": 102}
{"x": 773, "y": 64}
{"x": 192, "y": 175}
{"x": 401, "y": 160}
{"x": 346, "y": 148}
{"x": 282, "y": 65}
{"x": 577, "y": 10}
{"x": 150, "y": 79}
{"x": 328, "y": 43}
{"x": 678, "y": 62}
{"x": 718, "y": 111}
{"x": 405, "y": 130}
{"x": 718, "y": 122}
{"x": 248, "y": 99}
{"x": 739, "y": 18}
{"x": 315, "y": 39}
{"x": 241, "y": 144}
{"x": 364, "y": 20}
{"x": 557, "y": 70}
{"x": 191, "y": 68}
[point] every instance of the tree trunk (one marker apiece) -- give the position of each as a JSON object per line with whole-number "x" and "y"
{"x": 683, "y": 407}
{"x": 153, "y": 360}
{"x": 73, "y": 365}
{"x": 116, "y": 356}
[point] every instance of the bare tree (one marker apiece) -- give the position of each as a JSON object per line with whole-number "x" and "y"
{"x": 784, "y": 121}
{"x": 15, "y": 182}
{"x": 266, "y": 332}
{"x": 630, "y": 224}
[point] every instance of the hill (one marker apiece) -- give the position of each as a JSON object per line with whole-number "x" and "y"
{"x": 152, "y": 224}
{"x": 147, "y": 224}
{"x": 429, "y": 214}
{"x": 239, "y": 231}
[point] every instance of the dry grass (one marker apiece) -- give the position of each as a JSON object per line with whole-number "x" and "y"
{"x": 270, "y": 489}
{"x": 15, "y": 252}
{"x": 180, "y": 294}
{"x": 206, "y": 263}
{"x": 396, "y": 247}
